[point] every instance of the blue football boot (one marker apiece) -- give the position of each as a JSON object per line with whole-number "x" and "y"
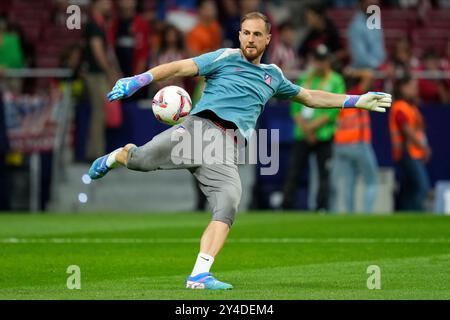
{"x": 99, "y": 168}
{"x": 206, "y": 281}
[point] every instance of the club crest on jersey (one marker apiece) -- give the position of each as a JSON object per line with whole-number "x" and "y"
{"x": 268, "y": 79}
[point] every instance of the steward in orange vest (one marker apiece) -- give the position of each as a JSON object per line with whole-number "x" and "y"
{"x": 353, "y": 126}
{"x": 353, "y": 155}
{"x": 410, "y": 148}
{"x": 404, "y": 113}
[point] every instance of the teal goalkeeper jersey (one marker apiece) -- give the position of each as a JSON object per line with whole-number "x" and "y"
{"x": 237, "y": 90}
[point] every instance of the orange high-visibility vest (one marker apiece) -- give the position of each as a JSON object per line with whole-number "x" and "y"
{"x": 353, "y": 126}
{"x": 398, "y": 140}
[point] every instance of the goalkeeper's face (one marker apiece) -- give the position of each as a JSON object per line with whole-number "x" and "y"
{"x": 254, "y": 38}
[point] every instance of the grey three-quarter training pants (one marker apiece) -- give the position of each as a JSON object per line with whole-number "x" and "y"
{"x": 207, "y": 151}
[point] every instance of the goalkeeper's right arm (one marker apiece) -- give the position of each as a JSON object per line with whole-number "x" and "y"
{"x": 125, "y": 87}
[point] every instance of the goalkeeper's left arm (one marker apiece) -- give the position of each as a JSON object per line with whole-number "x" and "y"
{"x": 373, "y": 101}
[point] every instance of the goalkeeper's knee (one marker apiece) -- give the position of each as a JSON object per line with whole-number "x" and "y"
{"x": 226, "y": 206}
{"x": 135, "y": 158}
{"x": 144, "y": 158}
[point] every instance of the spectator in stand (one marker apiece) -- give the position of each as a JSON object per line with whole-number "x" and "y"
{"x": 353, "y": 154}
{"x": 401, "y": 63}
{"x": 251, "y": 6}
{"x": 130, "y": 33}
{"x": 433, "y": 90}
{"x": 11, "y": 55}
{"x": 180, "y": 13}
{"x": 366, "y": 45}
{"x": 446, "y": 58}
{"x": 403, "y": 60}
{"x": 171, "y": 48}
{"x": 283, "y": 54}
{"x": 101, "y": 75}
{"x": 321, "y": 30}
{"x": 206, "y": 35}
{"x": 410, "y": 148}
{"x": 230, "y": 20}
{"x": 314, "y": 130}
{"x": 58, "y": 12}
{"x": 149, "y": 14}
{"x": 71, "y": 58}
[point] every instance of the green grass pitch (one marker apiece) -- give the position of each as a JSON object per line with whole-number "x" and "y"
{"x": 268, "y": 256}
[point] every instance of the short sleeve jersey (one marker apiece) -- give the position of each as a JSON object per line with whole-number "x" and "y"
{"x": 237, "y": 90}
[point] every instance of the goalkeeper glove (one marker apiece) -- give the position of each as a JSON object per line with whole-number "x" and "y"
{"x": 373, "y": 101}
{"x": 125, "y": 87}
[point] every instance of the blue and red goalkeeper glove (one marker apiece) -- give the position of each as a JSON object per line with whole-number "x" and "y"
{"x": 126, "y": 87}
{"x": 373, "y": 101}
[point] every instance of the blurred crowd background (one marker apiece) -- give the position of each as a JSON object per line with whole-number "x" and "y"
{"x": 54, "y": 80}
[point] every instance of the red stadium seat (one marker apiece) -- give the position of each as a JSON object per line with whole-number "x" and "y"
{"x": 341, "y": 17}
{"x": 4, "y": 6}
{"x": 32, "y": 32}
{"x": 438, "y": 14}
{"x": 423, "y": 38}
{"x": 59, "y": 33}
{"x": 48, "y": 49}
{"x": 388, "y": 23}
{"x": 438, "y": 19}
{"x": 43, "y": 5}
{"x": 28, "y": 14}
{"x": 391, "y": 36}
{"x": 47, "y": 62}
{"x": 399, "y": 14}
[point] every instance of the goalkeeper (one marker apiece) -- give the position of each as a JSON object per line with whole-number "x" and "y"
{"x": 237, "y": 88}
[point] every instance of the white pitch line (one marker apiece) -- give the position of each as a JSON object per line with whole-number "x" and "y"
{"x": 241, "y": 240}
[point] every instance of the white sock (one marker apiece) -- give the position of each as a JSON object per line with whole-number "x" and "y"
{"x": 203, "y": 264}
{"x": 111, "y": 160}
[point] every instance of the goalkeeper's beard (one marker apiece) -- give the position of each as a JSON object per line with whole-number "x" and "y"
{"x": 251, "y": 57}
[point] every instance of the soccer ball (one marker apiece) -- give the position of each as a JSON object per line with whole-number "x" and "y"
{"x": 171, "y": 104}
